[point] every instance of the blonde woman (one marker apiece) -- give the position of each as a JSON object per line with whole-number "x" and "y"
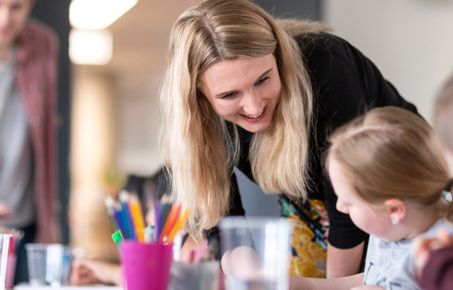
{"x": 241, "y": 91}
{"x": 391, "y": 178}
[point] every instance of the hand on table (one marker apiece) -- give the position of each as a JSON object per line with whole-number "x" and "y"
{"x": 87, "y": 271}
{"x": 241, "y": 263}
{"x": 5, "y": 211}
{"x": 367, "y": 287}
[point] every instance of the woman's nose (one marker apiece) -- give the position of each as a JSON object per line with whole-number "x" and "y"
{"x": 252, "y": 105}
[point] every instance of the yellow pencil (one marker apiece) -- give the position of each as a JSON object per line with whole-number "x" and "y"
{"x": 137, "y": 217}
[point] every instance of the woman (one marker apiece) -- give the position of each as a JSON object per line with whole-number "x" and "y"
{"x": 241, "y": 91}
{"x": 28, "y": 62}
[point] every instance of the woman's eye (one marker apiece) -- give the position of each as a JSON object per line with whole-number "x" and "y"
{"x": 16, "y": 7}
{"x": 229, "y": 95}
{"x": 261, "y": 81}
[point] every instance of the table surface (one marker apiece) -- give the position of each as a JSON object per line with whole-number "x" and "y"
{"x": 91, "y": 287}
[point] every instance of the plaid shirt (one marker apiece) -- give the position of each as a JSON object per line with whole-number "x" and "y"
{"x": 37, "y": 50}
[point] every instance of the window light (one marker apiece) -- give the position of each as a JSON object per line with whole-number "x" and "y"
{"x": 93, "y": 47}
{"x": 97, "y": 14}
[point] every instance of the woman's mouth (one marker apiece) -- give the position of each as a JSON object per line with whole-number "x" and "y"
{"x": 255, "y": 117}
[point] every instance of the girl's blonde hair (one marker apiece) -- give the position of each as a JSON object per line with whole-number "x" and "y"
{"x": 391, "y": 153}
{"x": 198, "y": 149}
{"x": 443, "y": 114}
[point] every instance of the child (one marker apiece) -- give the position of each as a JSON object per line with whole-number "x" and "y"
{"x": 434, "y": 256}
{"x": 390, "y": 177}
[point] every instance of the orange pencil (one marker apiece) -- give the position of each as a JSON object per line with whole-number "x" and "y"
{"x": 179, "y": 224}
{"x": 173, "y": 216}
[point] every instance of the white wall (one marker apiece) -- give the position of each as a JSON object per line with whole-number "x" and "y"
{"x": 138, "y": 122}
{"x": 411, "y": 41}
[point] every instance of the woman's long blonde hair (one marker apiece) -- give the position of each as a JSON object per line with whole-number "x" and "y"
{"x": 198, "y": 150}
{"x": 391, "y": 153}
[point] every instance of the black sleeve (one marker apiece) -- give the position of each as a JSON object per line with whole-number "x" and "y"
{"x": 346, "y": 84}
{"x": 235, "y": 198}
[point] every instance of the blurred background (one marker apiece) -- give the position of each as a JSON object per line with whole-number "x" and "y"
{"x": 111, "y": 66}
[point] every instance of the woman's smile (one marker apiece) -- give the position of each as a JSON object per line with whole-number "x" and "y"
{"x": 244, "y": 91}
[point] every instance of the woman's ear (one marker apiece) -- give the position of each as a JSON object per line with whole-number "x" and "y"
{"x": 31, "y": 5}
{"x": 396, "y": 209}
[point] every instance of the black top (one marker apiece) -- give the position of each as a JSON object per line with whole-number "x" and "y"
{"x": 345, "y": 84}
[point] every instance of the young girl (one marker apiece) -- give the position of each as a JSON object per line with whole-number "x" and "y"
{"x": 391, "y": 178}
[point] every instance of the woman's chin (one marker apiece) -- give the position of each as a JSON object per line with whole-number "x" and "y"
{"x": 254, "y": 126}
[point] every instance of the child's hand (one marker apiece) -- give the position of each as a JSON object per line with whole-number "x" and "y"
{"x": 88, "y": 271}
{"x": 425, "y": 246}
{"x": 241, "y": 263}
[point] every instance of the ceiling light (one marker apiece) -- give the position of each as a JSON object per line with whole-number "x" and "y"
{"x": 97, "y": 14}
{"x": 92, "y": 47}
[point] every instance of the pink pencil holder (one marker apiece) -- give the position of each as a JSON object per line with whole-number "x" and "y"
{"x": 146, "y": 266}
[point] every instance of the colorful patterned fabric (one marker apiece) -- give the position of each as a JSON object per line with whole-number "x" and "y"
{"x": 309, "y": 244}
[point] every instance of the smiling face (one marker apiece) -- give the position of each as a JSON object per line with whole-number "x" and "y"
{"x": 371, "y": 218}
{"x": 244, "y": 91}
{"x": 13, "y": 16}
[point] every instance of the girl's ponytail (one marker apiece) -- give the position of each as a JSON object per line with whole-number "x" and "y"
{"x": 447, "y": 197}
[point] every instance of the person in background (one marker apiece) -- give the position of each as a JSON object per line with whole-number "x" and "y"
{"x": 244, "y": 89}
{"x": 28, "y": 122}
{"x": 434, "y": 256}
{"x": 392, "y": 179}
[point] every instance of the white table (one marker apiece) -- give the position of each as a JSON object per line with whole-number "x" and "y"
{"x": 91, "y": 287}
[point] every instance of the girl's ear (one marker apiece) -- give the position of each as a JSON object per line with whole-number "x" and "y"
{"x": 396, "y": 209}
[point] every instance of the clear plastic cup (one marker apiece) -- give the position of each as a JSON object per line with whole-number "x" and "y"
{"x": 48, "y": 264}
{"x": 5, "y": 262}
{"x": 255, "y": 252}
{"x": 200, "y": 276}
